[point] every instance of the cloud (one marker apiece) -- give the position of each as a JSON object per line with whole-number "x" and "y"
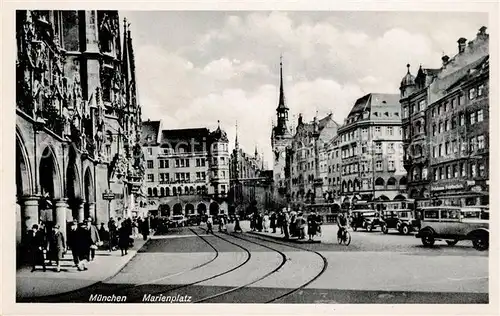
{"x": 229, "y": 70}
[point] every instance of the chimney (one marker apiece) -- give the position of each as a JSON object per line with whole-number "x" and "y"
{"x": 300, "y": 119}
{"x": 461, "y": 45}
{"x": 445, "y": 59}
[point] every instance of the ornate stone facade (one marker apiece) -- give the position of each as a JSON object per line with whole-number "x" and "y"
{"x": 77, "y": 117}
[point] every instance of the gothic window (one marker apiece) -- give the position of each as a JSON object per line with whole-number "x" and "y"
{"x": 70, "y": 32}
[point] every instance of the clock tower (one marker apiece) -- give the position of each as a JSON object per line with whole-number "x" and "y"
{"x": 281, "y": 140}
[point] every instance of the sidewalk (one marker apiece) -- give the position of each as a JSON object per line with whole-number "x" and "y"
{"x": 105, "y": 265}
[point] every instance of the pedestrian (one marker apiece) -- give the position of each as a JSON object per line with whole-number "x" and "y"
{"x": 82, "y": 246}
{"x": 135, "y": 227}
{"x": 260, "y": 222}
{"x": 286, "y": 223}
{"x": 312, "y": 225}
{"x": 273, "y": 222}
{"x": 145, "y": 228}
{"x": 56, "y": 246}
{"x": 123, "y": 238}
{"x": 293, "y": 224}
{"x": 103, "y": 233}
{"x": 300, "y": 224}
{"x": 237, "y": 227}
{"x": 266, "y": 222}
{"x": 95, "y": 241}
{"x": 280, "y": 221}
{"x": 209, "y": 225}
{"x": 35, "y": 242}
{"x": 73, "y": 242}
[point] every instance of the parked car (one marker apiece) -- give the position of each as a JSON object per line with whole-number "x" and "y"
{"x": 177, "y": 221}
{"x": 367, "y": 219}
{"x": 194, "y": 220}
{"x": 452, "y": 224}
{"x": 403, "y": 220}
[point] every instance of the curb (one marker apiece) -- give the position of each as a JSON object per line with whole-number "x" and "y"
{"x": 292, "y": 239}
{"x": 31, "y": 299}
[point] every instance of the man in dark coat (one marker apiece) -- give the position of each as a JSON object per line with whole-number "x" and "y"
{"x": 145, "y": 228}
{"x": 35, "y": 242}
{"x": 94, "y": 239}
{"x": 273, "y": 222}
{"x": 83, "y": 245}
{"x": 112, "y": 228}
{"x": 56, "y": 246}
{"x": 73, "y": 242}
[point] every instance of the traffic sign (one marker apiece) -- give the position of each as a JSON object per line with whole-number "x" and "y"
{"x": 108, "y": 195}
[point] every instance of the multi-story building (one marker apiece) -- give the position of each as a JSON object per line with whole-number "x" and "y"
{"x": 308, "y": 157}
{"x": 77, "y": 118}
{"x": 334, "y": 165}
{"x": 187, "y": 170}
{"x": 249, "y": 182}
{"x": 445, "y": 122}
{"x": 370, "y": 150}
{"x": 281, "y": 140}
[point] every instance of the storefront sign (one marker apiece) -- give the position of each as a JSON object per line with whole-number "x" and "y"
{"x": 451, "y": 186}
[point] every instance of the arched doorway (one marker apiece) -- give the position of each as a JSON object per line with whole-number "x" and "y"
{"x": 177, "y": 209}
{"x": 214, "y": 208}
{"x": 164, "y": 210}
{"x": 50, "y": 185}
{"x": 189, "y": 209}
{"x": 26, "y": 215}
{"x": 201, "y": 208}
{"x": 89, "y": 195}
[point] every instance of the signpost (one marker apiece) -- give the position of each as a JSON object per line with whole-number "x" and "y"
{"x": 108, "y": 195}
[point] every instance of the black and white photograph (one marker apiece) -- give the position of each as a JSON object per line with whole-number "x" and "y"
{"x": 252, "y": 157}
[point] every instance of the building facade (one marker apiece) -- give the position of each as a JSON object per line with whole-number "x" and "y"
{"x": 250, "y": 184}
{"x": 371, "y": 153}
{"x": 332, "y": 183}
{"x": 187, "y": 170}
{"x": 308, "y": 159}
{"x": 281, "y": 140}
{"x": 446, "y": 123}
{"x": 78, "y": 118}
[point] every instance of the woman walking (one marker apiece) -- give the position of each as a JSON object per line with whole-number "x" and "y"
{"x": 312, "y": 225}
{"x": 123, "y": 235}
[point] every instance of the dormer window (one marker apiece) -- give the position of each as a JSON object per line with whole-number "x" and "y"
{"x": 386, "y": 113}
{"x": 375, "y": 114}
{"x": 396, "y": 113}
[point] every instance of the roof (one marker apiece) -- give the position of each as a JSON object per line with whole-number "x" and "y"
{"x": 186, "y": 133}
{"x": 372, "y": 101}
{"x": 149, "y": 130}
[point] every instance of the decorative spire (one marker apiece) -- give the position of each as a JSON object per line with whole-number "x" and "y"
{"x": 408, "y": 66}
{"x": 236, "y": 144}
{"x": 256, "y": 151}
{"x": 281, "y": 102}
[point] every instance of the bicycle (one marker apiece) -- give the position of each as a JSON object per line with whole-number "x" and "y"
{"x": 344, "y": 238}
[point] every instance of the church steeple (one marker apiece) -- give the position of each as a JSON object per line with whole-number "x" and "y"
{"x": 282, "y": 109}
{"x": 236, "y": 144}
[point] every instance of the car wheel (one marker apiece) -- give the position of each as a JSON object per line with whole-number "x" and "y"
{"x": 405, "y": 229}
{"x": 385, "y": 230}
{"x": 428, "y": 241}
{"x": 398, "y": 227}
{"x": 355, "y": 228}
{"x": 370, "y": 227}
{"x": 452, "y": 242}
{"x": 481, "y": 242}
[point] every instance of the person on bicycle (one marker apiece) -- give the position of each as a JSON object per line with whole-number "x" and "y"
{"x": 342, "y": 223}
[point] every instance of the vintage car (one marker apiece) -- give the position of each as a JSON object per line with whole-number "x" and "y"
{"x": 403, "y": 220}
{"x": 194, "y": 219}
{"x": 452, "y": 224}
{"x": 177, "y": 221}
{"x": 367, "y": 219}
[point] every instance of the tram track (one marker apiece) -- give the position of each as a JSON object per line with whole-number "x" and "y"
{"x": 292, "y": 291}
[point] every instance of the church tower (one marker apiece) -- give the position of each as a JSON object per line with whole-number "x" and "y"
{"x": 281, "y": 140}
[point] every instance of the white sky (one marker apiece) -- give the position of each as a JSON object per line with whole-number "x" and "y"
{"x": 194, "y": 68}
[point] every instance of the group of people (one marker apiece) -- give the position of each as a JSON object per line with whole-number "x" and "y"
{"x": 291, "y": 223}
{"x": 51, "y": 244}
{"x": 83, "y": 239}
